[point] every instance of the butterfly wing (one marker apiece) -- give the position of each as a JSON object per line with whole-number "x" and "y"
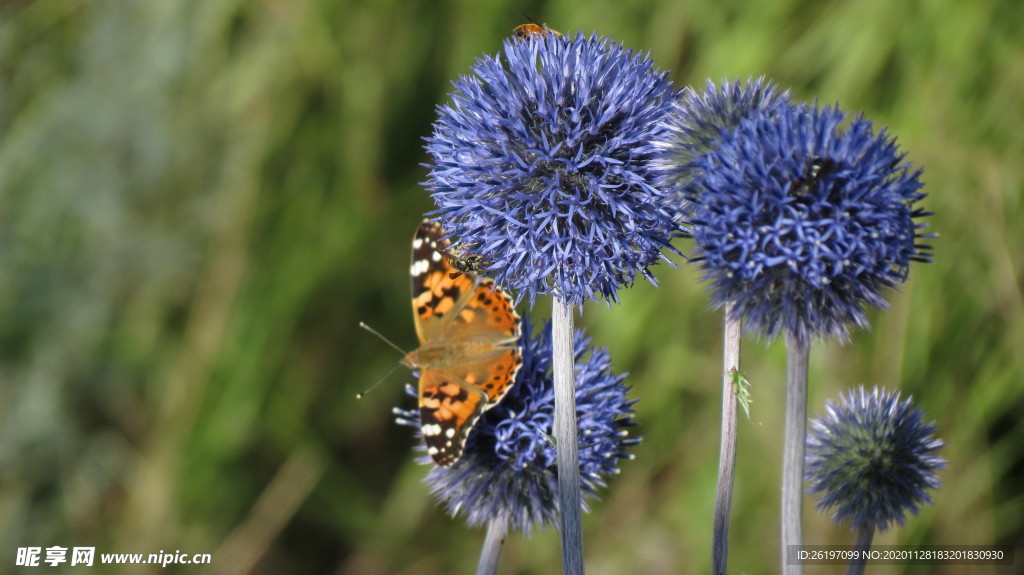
{"x": 468, "y": 358}
{"x": 435, "y": 294}
{"x": 489, "y": 325}
{"x": 448, "y": 411}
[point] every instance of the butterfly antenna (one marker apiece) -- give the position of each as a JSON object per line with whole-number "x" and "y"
{"x": 363, "y": 325}
{"x": 363, "y": 393}
{"x": 382, "y": 338}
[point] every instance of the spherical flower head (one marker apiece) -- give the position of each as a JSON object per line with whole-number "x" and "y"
{"x": 539, "y": 166}
{"x": 801, "y": 224}
{"x": 871, "y": 457}
{"x": 507, "y": 470}
{"x": 700, "y": 119}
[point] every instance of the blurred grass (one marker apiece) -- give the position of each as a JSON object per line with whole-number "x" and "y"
{"x": 200, "y": 201}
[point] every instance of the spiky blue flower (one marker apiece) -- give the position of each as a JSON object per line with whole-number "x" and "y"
{"x": 539, "y": 166}
{"x": 700, "y": 119}
{"x": 871, "y": 457}
{"x": 801, "y": 223}
{"x": 507, "y": 469}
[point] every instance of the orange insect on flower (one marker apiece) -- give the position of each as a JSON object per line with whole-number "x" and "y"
{"x": 533, "y": 30}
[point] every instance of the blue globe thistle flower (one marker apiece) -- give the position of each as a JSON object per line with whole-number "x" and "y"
{"x": 801, "y": 224}
{"x": 507, "y": 469}
{"x": 539, "y": 166}
{"x": 700, "y": 119}
{"x": 871, "y": 457}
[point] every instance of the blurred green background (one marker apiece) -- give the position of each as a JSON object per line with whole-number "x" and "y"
{"x": 199, "y": 201}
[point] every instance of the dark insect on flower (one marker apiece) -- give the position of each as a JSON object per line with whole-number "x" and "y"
{"x": 790, "y": 259}
{"x": 462, "y": 261}
{"x": 539, "y": 162}
{"x": 871, "y": 457}
{"x": 507, "y": 469}
{"x": 815, "y": 170}
{"x": 470, "y": 263}
{"x": 533, "y": 30}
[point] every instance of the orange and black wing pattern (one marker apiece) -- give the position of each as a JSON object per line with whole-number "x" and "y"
{"x": 468, "y": 355}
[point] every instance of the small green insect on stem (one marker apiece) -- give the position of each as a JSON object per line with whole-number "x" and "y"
{"x": 742, "y": 386}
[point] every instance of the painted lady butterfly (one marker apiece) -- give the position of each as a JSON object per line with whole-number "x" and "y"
{"x": 468, "y": 355}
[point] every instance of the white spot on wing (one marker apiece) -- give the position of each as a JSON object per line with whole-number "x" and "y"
{"x": 435, "y": 256}
{"x": 419, "y": 267}
{"x": 449, "y": 433}
{"x": 431, "y": 429}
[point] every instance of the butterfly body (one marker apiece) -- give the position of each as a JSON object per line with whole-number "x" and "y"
{"x": 468, "y": 356}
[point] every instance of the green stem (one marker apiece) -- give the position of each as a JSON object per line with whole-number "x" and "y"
{"x": 494, "y": 541}
{"x": 727, "y": 449}
{"x": 565, "y": 437}
{"x": 798, "y": 354}
{"x": 863, "y": 545}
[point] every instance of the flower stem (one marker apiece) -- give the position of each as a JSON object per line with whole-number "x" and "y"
{"x": 727, "y": 450}
{"x": 494, "y": 541}
{"x": 565, "y": 436}
{"x": 864, "y": 536}
{"x": 798, "y": 354}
